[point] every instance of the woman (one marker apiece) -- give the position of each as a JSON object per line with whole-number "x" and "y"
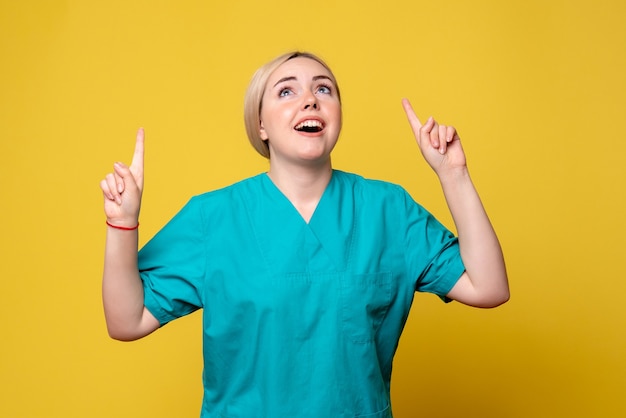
{"x": 305, "y": 274}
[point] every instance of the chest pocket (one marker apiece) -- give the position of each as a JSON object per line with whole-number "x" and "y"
{"x": 365, "y": 299}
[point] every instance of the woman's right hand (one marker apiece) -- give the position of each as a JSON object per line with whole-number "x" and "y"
{"x": 123, "y": 187}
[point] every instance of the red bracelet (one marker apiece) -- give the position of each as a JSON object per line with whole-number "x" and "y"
{"x": 123, "y": 228}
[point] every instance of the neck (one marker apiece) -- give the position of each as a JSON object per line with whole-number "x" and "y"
{"x": 302, "y": 185}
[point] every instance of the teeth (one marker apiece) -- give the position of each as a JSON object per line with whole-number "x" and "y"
{"x": 309, "y": 124}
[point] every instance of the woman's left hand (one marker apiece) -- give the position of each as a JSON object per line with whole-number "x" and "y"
{"x": 440, "y": 144}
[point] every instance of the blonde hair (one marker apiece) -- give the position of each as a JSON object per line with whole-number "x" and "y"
{"x": 253, "y": 100}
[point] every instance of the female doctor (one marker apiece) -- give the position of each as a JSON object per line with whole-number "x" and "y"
{"x": 305, "y": 274}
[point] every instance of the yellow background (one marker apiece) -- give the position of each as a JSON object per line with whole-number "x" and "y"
{"x": 536, "y": 89}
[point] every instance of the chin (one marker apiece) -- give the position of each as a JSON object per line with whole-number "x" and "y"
{"x": 314, "y": 157}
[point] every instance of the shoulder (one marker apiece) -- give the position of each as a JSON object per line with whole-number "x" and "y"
{"x": 227, "y": 193}
{"x": 368, "y": 188}
{"x": 224, "y": 202}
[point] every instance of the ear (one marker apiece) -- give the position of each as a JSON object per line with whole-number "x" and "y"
{"x": 262, "y": 132}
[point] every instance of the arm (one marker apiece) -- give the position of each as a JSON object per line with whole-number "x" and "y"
{"x": 484, "y": 283}
{"x": 122, "y": 291}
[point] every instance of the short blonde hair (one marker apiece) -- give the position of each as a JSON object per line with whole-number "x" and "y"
{"x": 253, "y": 100}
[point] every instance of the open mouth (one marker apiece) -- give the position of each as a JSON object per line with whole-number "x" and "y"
{"x": 310, "y": 126}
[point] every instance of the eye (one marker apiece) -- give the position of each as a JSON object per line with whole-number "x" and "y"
{"x": 324, "y": 89}
{"x": 286, "y": 91}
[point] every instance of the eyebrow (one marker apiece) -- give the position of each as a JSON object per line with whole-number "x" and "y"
{"x": 292, "y": 78}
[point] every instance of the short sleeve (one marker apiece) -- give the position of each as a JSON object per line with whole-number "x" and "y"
{"x": 172, "y": 266}
{"x": 432, "y": 251}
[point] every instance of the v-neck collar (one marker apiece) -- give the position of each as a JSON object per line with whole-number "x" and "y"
{"x": 283, "y": 234}
{"x": 279, "y": 195}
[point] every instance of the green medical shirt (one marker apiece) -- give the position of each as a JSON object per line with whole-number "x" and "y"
{"x": 299, "y": 319}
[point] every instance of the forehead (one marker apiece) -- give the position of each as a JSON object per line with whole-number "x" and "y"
{"x": 302, "y": 68}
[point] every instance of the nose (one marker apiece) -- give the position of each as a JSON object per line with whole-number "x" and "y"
{"x": 310, "y": 102}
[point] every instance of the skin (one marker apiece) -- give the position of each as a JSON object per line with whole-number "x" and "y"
{"x": 484, "y": 283}
{"x": 122, "y": 291}
{"x": 300, "y": 166}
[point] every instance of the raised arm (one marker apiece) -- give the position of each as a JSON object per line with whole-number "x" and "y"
{"x": 484, "y": 283}
{"x": 122, "y": 291}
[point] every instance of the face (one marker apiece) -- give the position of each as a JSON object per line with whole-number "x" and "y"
{"x": 300, "y": 112}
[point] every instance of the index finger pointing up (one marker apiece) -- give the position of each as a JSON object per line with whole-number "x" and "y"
{"x": 414, "y": 121}
{"x": 137, "y": 162}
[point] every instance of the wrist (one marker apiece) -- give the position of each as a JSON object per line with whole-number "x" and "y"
{"x": 124, "y": 226}
{"x": 454, "y": 176}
